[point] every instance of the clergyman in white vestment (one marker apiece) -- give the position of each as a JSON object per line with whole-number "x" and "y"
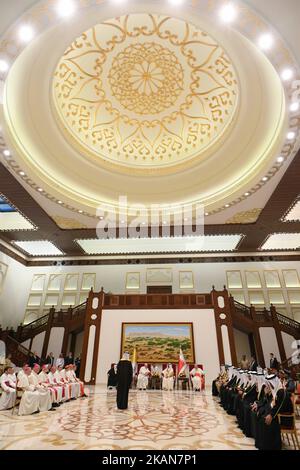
{"x": 142, "y": 382}
{"x": 8, "y": 397}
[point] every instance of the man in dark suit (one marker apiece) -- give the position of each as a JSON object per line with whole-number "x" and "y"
{"x": 274, "y": 364}
{"x": 34, "y": 359}
{"x": 253, "y": 364}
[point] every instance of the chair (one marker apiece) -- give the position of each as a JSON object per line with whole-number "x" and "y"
{"x": 292, "y": 430}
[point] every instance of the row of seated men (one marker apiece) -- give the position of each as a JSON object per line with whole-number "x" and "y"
{"x": 256, "y": 399}
{"x": 40, "y": 389}
{"x": 155, "y": 378}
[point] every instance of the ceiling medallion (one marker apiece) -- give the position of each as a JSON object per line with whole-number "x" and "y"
{"x": 145, "y": 91}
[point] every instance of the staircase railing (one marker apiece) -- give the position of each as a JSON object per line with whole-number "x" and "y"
{"x": 289, "y": 322}
{"x": 26, "y": 331}
{"x": 18, "y": 352}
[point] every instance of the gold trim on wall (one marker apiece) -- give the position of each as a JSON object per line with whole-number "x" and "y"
{"x": 192, "y": 286}
{"x": 128, "y": 274}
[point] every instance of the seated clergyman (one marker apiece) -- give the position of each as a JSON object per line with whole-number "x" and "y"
{"x": 168, "y": 378}
{"x": 142, "y": 382}
{"x": 8, "y": 386}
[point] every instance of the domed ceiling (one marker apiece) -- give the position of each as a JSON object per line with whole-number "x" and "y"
{"x": 145, "y": 92}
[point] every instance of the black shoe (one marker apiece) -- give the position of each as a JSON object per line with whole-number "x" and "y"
{"x": 52, "y": 409}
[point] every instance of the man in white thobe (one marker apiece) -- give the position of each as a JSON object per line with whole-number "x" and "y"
{"x": 8, "y": 397}
{"x": 30, "y": 398}
{"x": 196, "y": 375}
{"x": 168, "y": 378}
{"x": 45, "y": 403}
{"x": 142, "y": 382}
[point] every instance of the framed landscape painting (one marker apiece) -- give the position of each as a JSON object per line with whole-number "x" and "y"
{"x": 158, "y": 342}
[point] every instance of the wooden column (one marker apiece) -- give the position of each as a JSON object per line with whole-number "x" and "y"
{"x": 257, "y": 341}
{"x": 88, "y": 370}
{"x": 48, "y": 332}
{"x": 227, "y": 321}
{"x": 278, "y": 334}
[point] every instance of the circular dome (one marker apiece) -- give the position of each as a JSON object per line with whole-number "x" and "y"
{"x": 145, "y": 91}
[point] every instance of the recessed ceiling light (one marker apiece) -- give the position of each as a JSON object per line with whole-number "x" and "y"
{"x": 65, "y": 8}
{"x": 206, "y": 213}
{"x": 227, "y": 205}
{"x": 26, "y": 33}
{"x": 6, "y": 153}
{"x": 265, "y": 178}
{"x": 228, "y": 13}
{"x": 80, "y": 212}
{"x": 287, "y": 74}
{"x": 59, "y": 202}
{"x": 164, "y": 222}
{"x": 280, "y": 159}
{"x": 247, "y": 194}
{"x": 40, "y": 190}
{"x": 122, "y": 221}
{"x": 176, "y": 2}
{"x": 266, "y": 41}
{"x": 291, "y": 135}
{"x": 294, "y": 106}
{"x": 22, "y": 173}
{"x": 3, "y": 66}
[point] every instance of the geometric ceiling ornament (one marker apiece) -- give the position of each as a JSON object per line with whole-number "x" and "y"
{"x": 145, "y": 92}
{"x": 245, "y": 217}
{"x": 282, "y": 241}
{"x": 293, "y": 213}
{"x": 88, "y": 128}
{"x": 14, "y": 221}
{"x": 214, "y": 243}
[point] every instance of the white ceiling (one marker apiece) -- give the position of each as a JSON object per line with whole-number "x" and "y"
{"x": 283, "y": 14}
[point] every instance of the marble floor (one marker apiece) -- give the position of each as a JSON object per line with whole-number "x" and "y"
{"x": 155, "y": 420}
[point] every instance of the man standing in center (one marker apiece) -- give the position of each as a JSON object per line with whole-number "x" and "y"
{"x": 124, "y": 379}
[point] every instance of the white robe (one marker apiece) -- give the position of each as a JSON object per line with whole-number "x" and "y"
{"x": 142, "y": 381}
{"x": 74, "y": 384}
{"x": 43, "y": 378}
{"x": 30, "y": 398}
{"x": 58, "y": 389}
{"x": 196, "y": 379}
{"x": 168, "y": 379}
{"x": 8, "y": 397}
{"x": 45, "y": 402}
{"x": 61, "y": 380}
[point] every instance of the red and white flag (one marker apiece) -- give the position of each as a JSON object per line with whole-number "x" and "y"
{"x": 181, "y": 363}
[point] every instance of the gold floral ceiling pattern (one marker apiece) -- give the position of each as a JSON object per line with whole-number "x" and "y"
{"x": 145, "y": 91}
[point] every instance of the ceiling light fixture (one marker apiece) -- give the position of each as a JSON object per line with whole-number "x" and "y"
{"x": 65, "y": 8}
{"x": 266, "y": 41}
{"x": 6, "y": 153}
{"x": 247, "y": 194}
{"x": 59, "y": 202}
{"x": 227, "y": 205}
{"x": 80, "y": 212}
{"x": 294, "y": 106}
{"x": 228, "y": 13}
{"x": 287, "y": 74}
{"x": 40, "y": 190}
{"x": 26, "y": 33}
{"x": 280, "y": 159}
{"x": 176, "y": 2}
{"x": 291, "y": 135}
{"x": 21, "y": 173}
{"x": 265, "y": 178}
{"x": 3, "y": 66}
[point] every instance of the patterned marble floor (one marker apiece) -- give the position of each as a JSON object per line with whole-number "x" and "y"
{"x": 155, "y": 420}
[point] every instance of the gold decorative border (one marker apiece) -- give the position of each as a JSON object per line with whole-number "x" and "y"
{"x": 250, "y": 24}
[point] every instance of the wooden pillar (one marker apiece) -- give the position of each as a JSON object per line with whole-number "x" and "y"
{"x": 48, "y": 331}
{"x": 66, "y": 333}
{"x": 91, "y": 339}
{"x": 223, "y": 317}
{"x": 278, "y": 334}
{"x": 258, "y": 347}
{"x": 73, "y": 343}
